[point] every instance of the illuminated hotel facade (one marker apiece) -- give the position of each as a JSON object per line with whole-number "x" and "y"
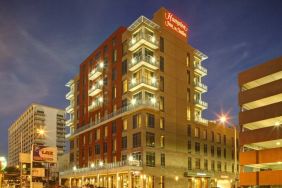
{"x": 260, "y": 100}
{"x": 137, "y": 121}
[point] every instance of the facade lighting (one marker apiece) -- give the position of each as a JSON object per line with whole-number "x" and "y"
{"x": 154, "y": 80}
{"x": 130, "y": 158}
{"x": 153, "y": 59}
{"x": 100, "y": 99}
{"x": 92, "y": 165}
{"x": 74, "y": 168}
{"x": 101, "y": 82}
{"x": 133, "y": 101}
{"x": 101, "y": 163}
{"x": 133, "y": 81}
{"x": 101, "y": 65}
{"x": 153, "y": 100}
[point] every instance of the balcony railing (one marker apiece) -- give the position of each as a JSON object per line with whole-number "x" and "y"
{"x": 69, "y": 122}
{"x": 143, "y": 82}
{"x": 70, "y": 95}
{"x": 201, "y": 70}
{"x": 70, "y": 108}
{"x": 95, "y": 104}
{"x": 96, "y": 72}
{"x": 143, "y": 38}
{"x": 201, "y": 87}
{"x": 139, "y": 104}
{"x": 201, "y": 104}
{"x": 146, "y": 60}
{"x": 106, "y": 166}
{"x": 201, "y": 120}
{"x": 95, "y": 89}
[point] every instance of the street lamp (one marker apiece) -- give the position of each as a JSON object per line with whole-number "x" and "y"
{"x": 223, "y": 118}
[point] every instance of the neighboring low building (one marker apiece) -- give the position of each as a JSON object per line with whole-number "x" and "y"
{"x": 260, "y": 119}
{"x": 23, "y": 132}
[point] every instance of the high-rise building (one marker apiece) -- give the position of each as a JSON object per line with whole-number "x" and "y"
{"x": 260, "y": 119}
{"x": 23, "y": 132}
{"x": 139, "y": 112}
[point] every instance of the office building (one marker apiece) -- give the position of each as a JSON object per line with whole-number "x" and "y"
{"x": 260, "y": 119}
{"x": 139, "y": 113}
{"x": 23, "y": 132}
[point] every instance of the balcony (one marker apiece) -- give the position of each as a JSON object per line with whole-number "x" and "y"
{"x": 143, "y": 38}
{"x": 70, "y": 109}
{"x": 133, "y": 107}
{"x": 143, "y": 82}
{"x": 70, "y": 95}
{"x": 201, "y": 70}
{"x": 201, "y": 120}
{"x": 96, "y": 104}
{"x": 201, "y": 104}
{"x": 201, "y": 87}
{"x": 69, "y": 122}
{"x": 96, "y": 72}
{"x": 148, "y": 61}
{"x": 96, "y": 88}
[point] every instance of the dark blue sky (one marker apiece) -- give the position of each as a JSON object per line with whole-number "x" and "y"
{"x": 42, "y": 44}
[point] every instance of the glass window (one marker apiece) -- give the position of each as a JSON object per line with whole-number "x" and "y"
{"x": 124, "y": 142}
{"x": 198, "y": 163}
{"x": 212, "y": 136}
{"x": 161, "y": 44}
{"x": 197, "y": 147}
{"x": 114, "y": 74}
{"x": 136, "y": 121}
{"x": 124, "y": 124}
{"x": 218, "y": 138}
{"x": 124, "y": 86}
{"x": 189, "y": 163}
{"x": 205, "y": 135}
{"x": 161, "y": 83}
{"x": 114, "y": 145}
{"x": 218, "y": 152}
{"x": 189, "y": 130}
{"x": 189, "y": 146}
{"x": 162, "y": 159}
{"x": 137, "y": 140}
{"x": 97, "y": 149}
{"x": 105, "y": 147}
{"x": 162, "y": 141}
{"x": 114, "y": 127}
{"x": 212, "y": 165}
{"x": 224, "y": 153}
{"x": 224, "y": 139}
{"x": 150, "y": 158}
{"x": 212, "y": 151}
{"x": 161, "y": 63}
{"x": 150, "y": 120}
{"x": 219, "y": 166}
{"x": 150, "y": 139}
{"x": 206, "y": 164}
{"x": 205, "y": 149}
{"x": 162, "y": 123}
{"x": 114, "y": 55}
{"x": 161, "y": 103}
{"x": 124, "y": 67}
{"x": 106, "y": 131}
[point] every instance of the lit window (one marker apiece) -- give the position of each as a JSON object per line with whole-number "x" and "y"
{"x": 124, "y": 125}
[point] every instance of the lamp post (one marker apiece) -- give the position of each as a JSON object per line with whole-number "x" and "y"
{"x": 224, "y": 120}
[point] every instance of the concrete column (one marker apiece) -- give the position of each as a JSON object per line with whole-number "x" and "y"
{"x": 98, "y": 180}
{"x": 130, "y": 180}
{"x": 70, "y": 182}
{"x": 117, "y": 180}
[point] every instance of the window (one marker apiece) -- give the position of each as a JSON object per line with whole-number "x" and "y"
{"x": 188, "y": 60}
{"x": 224, "y": 153}
{"x": 97, "y": 136}
{"x": 105, "y": 49}
{"x": 198, "y": 163}
{"x": 114, "y": 55}
{"x": 150, "y": 159}
{"x": 114, "y": 41}
{"x": 232, "y": 154}
{"x": 124, "y": 142}
{"x": 97, "y": 149}
{"x": 212, "y": 165}
{"x": 162, "y": 64}
{"x": 161, "y": 44}
{"x": 124, "y": 86}
{"x": 188, "y": 95}
{"x": 205, "y": 135}
{"x": 162, "y": 182}
{"x": 218, "y": 138}
{"x": 225, "y": 167}
{"x": 189, "y": 146}
{"x": 114, "y": 145}
{"x": 189, "y": 163}
{"x": 124, "y": 67}
{"x": 124, "y": 157}
{"x": 137, "y": 156}
{"x": 218, "y": 152}
{"x": 150, "y": 139}
{"x": 224, "y": 139}
{"x": 114, "y": 127}
{"x": 212, "y": 151}
{"x": 162, "y": 159}
{"x": 161, "y": 103}
{"x": 124, "y": 103}
{"x": 189, "y": 130}
{"x": 219, "y": 166}
{"x": 150, "y": 120}
{"x": 89, "y": 151}
{"x": 162, "y": 123}
{"x": 105, "y": 147}
{"x": 136, "y": 121}
{"x": 162, "y": 141}
{"x": 212, "y": 136}
{"x": 124, "y": 48}
{"x": 137, "y": 140}
{"x": 124, "y": 124}
{"x": 161, "y": 83}
{"x": 205, "y": 149}
{"x": 197, "y": 132}
{"x": 188, "y": 77}
{"x": 114, "y": 74}
{"x": 197, "y": 147}
{"x": 206, "y": 164}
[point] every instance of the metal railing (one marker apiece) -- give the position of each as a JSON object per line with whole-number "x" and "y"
{"x": 202, "y": 103}
{"x": 146, "y": 58}
{"x": 201, "y": 68}
{"x": 143, "y": 80}
{"x": 201, "y": 85}
{"x": 145, "y": 36}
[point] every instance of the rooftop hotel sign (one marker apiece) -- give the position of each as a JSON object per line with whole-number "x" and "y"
{"x": 175, "y": 24}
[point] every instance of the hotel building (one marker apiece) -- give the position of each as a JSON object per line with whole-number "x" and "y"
{"x": 260, "y": 119}
{"x": 24, "y": 131}
{"x": 139, "y": 113}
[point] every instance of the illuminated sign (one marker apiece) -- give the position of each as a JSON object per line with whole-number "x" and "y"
{"x": 175, "y": 24}
{"x": 45, "y": 154}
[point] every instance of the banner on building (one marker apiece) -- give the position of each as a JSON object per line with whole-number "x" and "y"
{"x": 24, "y": 157}
{"x": 45, "y": 154}
{"x": 38, "y": 172}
